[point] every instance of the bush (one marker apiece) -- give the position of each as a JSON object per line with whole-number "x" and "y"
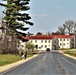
{"x": 10, "y": 51}
{"x": 1, "y": 49}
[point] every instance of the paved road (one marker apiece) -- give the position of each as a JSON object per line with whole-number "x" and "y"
{"x": 47, "y": 63}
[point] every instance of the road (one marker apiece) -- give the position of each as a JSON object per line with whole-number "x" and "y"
{"x": 47, "y": 63}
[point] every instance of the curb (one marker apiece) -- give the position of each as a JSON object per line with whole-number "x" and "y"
{"x": 67, "y": 55}
{"x": 12, "y": 65}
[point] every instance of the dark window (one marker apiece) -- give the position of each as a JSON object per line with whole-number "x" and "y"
{"x": 67, "y": 39}
{"x": 49, "y": 41}
{"x": 64, "y": 44}
{"x": 41, "y": 41}
{"x": 60, "y": 44}
{"x": 60, "y": 39}
{"x": 45, "y": 46}
{"x": 41, "y": 45}
{"x": 45, "y": 41}
{"x": 72, "y": 39}
{"x": 35, "y": 41}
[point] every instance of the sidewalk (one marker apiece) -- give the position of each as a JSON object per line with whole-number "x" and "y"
{"x": 9, "y": 66}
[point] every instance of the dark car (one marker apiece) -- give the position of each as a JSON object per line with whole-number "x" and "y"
{"x": 48, "y": 49}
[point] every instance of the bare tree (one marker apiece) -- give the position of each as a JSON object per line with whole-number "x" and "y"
{"x": 61, "y": 29}
{"x": 70, "y": 26}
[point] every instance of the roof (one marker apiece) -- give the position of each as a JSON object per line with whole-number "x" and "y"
{"x": 39, "y": 37}
{"x": 63, "y": 36}
{"x": 46, "y": 36}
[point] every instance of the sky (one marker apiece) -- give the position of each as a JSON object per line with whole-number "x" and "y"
{"x": 48, "y": 15}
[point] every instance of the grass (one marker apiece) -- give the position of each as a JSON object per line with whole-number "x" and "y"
{"x": 29, "y": 55}
{"x": 72, "y": 53}
{"x": 9, "y": 58}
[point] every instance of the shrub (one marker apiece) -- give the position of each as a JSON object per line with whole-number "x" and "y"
{"x": 10, "y": 51}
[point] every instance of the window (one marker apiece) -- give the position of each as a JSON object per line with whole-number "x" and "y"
{"x": 49, "y": 41}
{"x": 48, "y": 45}
{"x": 45, "y": 46}
{"x": 41, "y": 41}
{"x": 60, "y": 44}
{"x": 41, "y": 45}
{"x": 35, "y": 41}
{"x": 67, "y": 39}
{"x": 72, "y": 39}
{"x": 60, "y": 39}
{"x": 64, "y": 44}
{"x": 64, "y": 39}
{"x": 45, "y": 41}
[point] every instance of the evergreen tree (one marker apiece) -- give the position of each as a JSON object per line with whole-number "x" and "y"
{"x": 14, "y": 18}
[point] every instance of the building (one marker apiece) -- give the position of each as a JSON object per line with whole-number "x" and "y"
{"x": 65, "y": 41}
{"x": 53, "y": 42}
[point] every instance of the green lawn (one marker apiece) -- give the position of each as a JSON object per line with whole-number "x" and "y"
{"x": 72, "y": 53}
{"x": 9, "y": 58}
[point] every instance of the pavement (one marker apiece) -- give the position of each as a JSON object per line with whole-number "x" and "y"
{"x": 13, "y": 65}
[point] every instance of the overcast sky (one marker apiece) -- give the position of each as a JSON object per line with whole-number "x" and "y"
{"x": 48, "y": 15}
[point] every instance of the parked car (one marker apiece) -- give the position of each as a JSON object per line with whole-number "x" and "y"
{"x": 48, "y": 49}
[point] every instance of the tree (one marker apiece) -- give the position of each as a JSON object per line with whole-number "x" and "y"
{"x": 38, "y": 33}
{"x": 61, "y": 29}
{"x": 69, "y": 25}
{"x": 14, "y": 18}
{"x": 56, "y": 33}
{"x": 29, "y": 46}
{"x": 32, "y": 47}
